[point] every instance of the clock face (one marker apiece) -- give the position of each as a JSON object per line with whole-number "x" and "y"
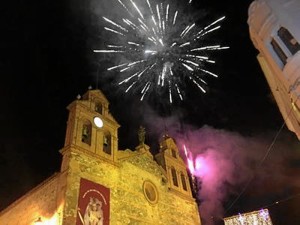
{"x": 98, "y": 122}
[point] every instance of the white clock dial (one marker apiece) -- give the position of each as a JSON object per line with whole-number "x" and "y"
{"x": 98, "y": 122}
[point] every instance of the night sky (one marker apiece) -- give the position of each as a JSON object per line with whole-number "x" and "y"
{"x": 47, "y": 59}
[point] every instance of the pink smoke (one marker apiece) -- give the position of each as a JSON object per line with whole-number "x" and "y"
{"x": 201, "y": 167}
{"x": 224, "y": 161}
{"x": 213, "y": 169}
{"x": 219, "y": 159}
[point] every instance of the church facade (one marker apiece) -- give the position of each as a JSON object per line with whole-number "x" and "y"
{"x": 98, "y": 184}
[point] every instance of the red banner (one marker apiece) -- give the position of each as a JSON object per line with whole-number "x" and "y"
{"x": 93, "y": 204}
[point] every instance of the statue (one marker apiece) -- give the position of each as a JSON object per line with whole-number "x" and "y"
{"x": 141, "y": 134}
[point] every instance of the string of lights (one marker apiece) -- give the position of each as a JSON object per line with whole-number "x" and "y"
{"x": 291, "y": 197}
{"x": 269, "y": 149}
{"x": 259, "y": 166}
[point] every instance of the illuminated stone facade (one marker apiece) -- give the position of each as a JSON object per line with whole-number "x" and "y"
{"x": 275, "y": 31}
{"x": 40, "y": 202}
{"x": 142, "y": 189}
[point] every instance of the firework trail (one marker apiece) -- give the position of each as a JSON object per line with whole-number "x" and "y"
{"x": 162, "y": 52}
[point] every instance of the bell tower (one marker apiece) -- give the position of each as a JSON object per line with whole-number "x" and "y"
{"x": 171, "y": 161}
{"x": 91, "y": 129}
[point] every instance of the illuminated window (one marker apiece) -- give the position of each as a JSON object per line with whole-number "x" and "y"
{"x": 107, "y": 143}
{"x": 174, "y": 177}
{"x": 279, "y": 52}
{"x": 86, "y": 132}
{"x": 289, "y": 40}
{"x": 183, "y": 181}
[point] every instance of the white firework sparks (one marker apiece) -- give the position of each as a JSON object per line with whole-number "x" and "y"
{"x": 161, "y": 51}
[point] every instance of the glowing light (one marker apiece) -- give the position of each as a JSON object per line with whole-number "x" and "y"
{"x": 158, "y": 37}
{"x": 113, "y": 31}
{"x": 241, "y": 219}
{"x": 98, "y": 122}
{"x": 260, "y": 217}
{"x": 54, "y": 219}
{"x": 199, "y": 165}
{"x": 264, "y": 214}
{"x": 175, "y": 16}
{"x": 115, "y": 24}
{"x": 150, "y": 52}
{"x": 190, "y": 161}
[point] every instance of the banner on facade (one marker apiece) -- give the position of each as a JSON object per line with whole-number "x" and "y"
{"x": 93, "y": 204}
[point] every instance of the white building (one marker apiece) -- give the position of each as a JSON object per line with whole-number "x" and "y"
{"x": 275, "y": 31}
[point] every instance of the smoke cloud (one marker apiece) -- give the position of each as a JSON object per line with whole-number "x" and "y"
{"x": 226, "y": 161}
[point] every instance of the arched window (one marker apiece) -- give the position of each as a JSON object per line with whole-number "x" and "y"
{"x": 107, "y": 143}
{"x": 98, "y": 107}
{"x": 183, "y": 181}
{"x": 86, "y": 133}
{"x": 289, "y": 40}
{"x": 174, "y": 177}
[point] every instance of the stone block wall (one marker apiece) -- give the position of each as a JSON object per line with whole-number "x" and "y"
{"x": 40, "y": 202}
{"x": 128, "y": 203}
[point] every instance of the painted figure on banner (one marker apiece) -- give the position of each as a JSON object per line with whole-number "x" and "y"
{"x": 93, "y": 212}
{"x": 93, "y": 204}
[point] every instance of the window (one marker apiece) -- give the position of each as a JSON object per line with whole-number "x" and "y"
{"x": 173, "y": 153}
{"x": 279, "y": 52}
{"x": 98, "y": 107}
{"x": 107, "y": 143}
{"x": 289, "y": 40}
{"x": 86, "y": 132}
{"x": 150, "y": 192}
{"x": 174, "y": 177}
{"x": 183, "y": 181}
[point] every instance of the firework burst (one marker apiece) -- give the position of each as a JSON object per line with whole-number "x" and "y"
{"x": 161, "y": 52}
